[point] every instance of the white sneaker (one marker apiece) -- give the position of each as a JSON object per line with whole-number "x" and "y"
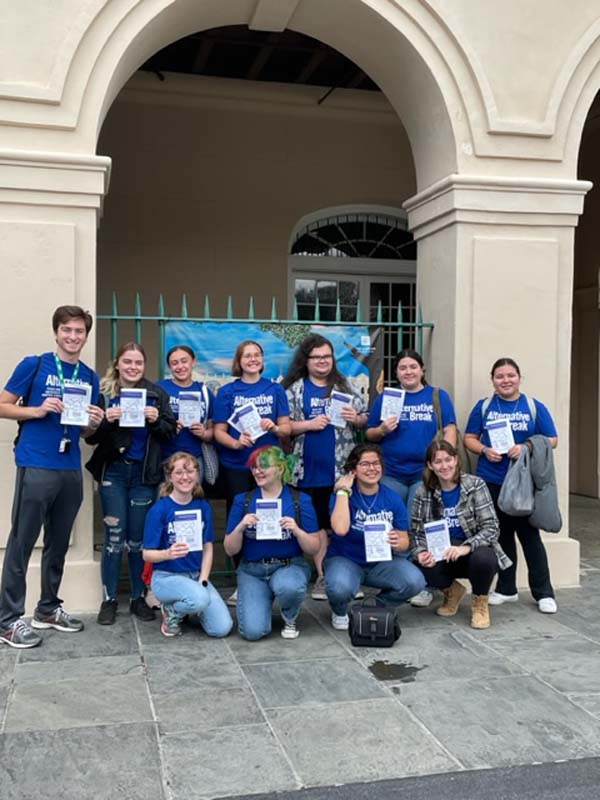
{"x": 497, "y": 599}
{"x": 422, "y": 600}
{"x": 232, "y": 599}
{"x": 340, "y": 623}
{"x": 547, "y": 605}
{"x": 290, "y": 631}
{"x": 318, "y": 592}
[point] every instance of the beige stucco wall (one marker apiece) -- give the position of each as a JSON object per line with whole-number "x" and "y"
{"x": 493, "y": 105}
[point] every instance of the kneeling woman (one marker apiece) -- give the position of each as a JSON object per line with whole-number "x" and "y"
{"x": 474, "y": 553}
{"x": 361, "y": 499}
{"x": 272, "y": 565}
{"x": 178, "y": 540}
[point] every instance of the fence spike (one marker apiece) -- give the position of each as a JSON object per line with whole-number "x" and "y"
{"x": 358, "y": 314}
{"x": 115, "y": 311}
{"x": 338, "y": 310}
{"x": 399, "y": 319}
{"x": 161, "y": 305}
{"x": 379, "y": 312}
{"x": 138, "y": 321}
{"x": 184, "y": 308}
{"x": 206, "y": 307}
{"x": 295, "y": 311}
{"x": 229, "y": 308}
{"x": 419, "y": 329}
{"x": 251, "y": 308}
{"x": 317, "y": 310}
{"x": 273, "y": 309}
{"x": 137, "y": 308}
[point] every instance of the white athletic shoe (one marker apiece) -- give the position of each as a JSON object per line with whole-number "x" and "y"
{"x": 318, "y": 591}
{"x": 422, "y": 600}
{"x": 290, "y": 631}
{"x": 498, "y": 599}
{"x": 340, "y": 623}
{"x": 232, "y": 599}
{"x": 547, "y": 605}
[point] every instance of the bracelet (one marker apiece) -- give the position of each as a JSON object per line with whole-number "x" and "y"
{"x": 342, "y": 492}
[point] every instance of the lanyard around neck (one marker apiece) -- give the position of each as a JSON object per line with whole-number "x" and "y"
{"x": 59, "y": 370}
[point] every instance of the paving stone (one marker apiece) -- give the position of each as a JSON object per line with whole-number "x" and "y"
{"x": 503, "y": 721}
{"x": 589, "y": 702}
{"x": 569, "y": 664}
{"x": 225, "y": 761}
{"x": 169, "y": 668}
{"x": 307, "y": 682}
{"x": 522, "y": 621}
{"x": 78, "y": 702}
{"x": 109, "y": 762}
{"x": 95, "y": 640}
{"x": 362, "y": 741}
{"x": 439, "y": 656}
{"x": 3, "y": 698}
{"x": 583, "y": 618}
{"x": 51, "y": 671}
{"x": 215, "y": 703}
{"x": 7, "y": 669}
{"x": 313, "y": 642}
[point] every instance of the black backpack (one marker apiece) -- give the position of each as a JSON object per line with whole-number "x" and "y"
{"x": 371, "y": 625}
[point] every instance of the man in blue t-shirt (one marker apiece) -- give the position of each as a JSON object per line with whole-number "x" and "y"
{"x": 49, "y": 488}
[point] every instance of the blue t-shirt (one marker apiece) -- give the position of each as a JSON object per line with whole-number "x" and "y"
{"x": 319, "y": 446}
{"x": 39, "y": 442}
{"x": 139, "y": 436}
{"x": 254, "y": 549}
{"x": 404, "y": 448}
{"x": 387, "y": 506}
{"x": 450, "y": 501}
{"x": 271, "y": 402}
{"x": 523, "y": 426}
{"x": 185, "y": 441}
{"x": 159, "y": 532}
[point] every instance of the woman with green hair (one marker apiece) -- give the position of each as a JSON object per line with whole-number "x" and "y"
{"x": 272, "y": 526}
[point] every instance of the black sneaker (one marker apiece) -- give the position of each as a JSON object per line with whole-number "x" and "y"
{"x": 59, "y": 620}
{"x": 140, "y": 608}
{"x": 108, "y": 613}
{"x": 20, "y": 635}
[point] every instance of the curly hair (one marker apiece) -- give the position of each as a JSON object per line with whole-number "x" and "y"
{"x": 298, "y": 368}
{"x": 167, "y": 487}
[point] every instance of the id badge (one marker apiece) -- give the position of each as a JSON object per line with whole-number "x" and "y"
{"x": 65, "y": 445}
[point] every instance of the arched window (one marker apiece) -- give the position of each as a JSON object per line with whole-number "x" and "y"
{"x": 354, "y": 254}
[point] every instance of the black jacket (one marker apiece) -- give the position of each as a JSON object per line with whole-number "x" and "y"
{"x": 112, "y": 441}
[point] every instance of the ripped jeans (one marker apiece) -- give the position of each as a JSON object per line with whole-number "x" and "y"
{"x": 125, "y": 502}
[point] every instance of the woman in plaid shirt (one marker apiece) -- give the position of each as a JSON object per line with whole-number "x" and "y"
{"x": 464, "y": 502}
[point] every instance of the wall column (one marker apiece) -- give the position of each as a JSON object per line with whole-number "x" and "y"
{"x": 495, "y": 275}
{"x": 49, "y": 210}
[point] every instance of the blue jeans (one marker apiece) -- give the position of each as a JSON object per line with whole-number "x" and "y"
{"x": 186, "y": 595}
{"x": 398, "y": 579}
{"x": 125, "y": 503}
{"x": 258, "y": 584}
{"x": 406, "y": 489}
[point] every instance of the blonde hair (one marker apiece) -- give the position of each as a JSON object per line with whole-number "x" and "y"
{"x": 166, "y": 488}
{"x": 109, "y": 383}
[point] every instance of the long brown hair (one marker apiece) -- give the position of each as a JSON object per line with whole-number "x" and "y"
{"x": 430, "y": 479}
{"x": 236, "y": 364}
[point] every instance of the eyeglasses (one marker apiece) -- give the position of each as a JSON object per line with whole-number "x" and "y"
{"x": 179, "y": 473}
{"x": 256, "y": 468}
{"x": 369, "y": 464}
{"x": 320, "y": 358}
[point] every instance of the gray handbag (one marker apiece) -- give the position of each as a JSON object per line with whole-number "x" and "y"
{"x": 516, "y": 496}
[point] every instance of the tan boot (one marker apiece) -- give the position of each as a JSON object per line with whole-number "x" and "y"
{"x": 452, "y": 597}
{"x": 480, "y": 612}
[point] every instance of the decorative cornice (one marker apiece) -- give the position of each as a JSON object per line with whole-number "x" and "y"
{"x": 495, "y": 200}
{"x": 55, "y": 179}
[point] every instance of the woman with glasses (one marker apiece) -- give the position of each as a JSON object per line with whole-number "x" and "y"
{"x": 321, "y": 448}
{"x": 178, "y": 541}
{"x": 271, "y": 527}
{"x": 370, "y": 525}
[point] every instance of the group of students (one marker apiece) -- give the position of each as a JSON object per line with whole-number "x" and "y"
{"x": 327, "y": 487}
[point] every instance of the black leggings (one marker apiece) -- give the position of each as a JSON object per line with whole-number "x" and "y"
{"x": 479, "y": 567}
{"x": 538, "y": 572}
{"x": 320, "y": 497}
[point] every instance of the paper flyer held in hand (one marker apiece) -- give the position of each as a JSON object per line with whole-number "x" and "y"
{"x": 438, "y": 538}
{"x": 337, "y": 402}
{"x": 501, "y": 435}
{"x": 190, "y": 408}
{"x": 246, "y": 419}
{"x": 392, "y": 403}
{"x": 188, "y": 528}
{"x": 377, "y": 544}
{"x": 133, "y": 403}
{"x": 269, "y": 514}
{"x": 76, "y": 399}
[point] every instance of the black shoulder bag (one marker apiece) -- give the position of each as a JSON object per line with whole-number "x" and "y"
{"x": 373, "y": 626}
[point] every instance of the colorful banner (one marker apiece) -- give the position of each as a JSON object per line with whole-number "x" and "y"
{"x": 358, "y": 348}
